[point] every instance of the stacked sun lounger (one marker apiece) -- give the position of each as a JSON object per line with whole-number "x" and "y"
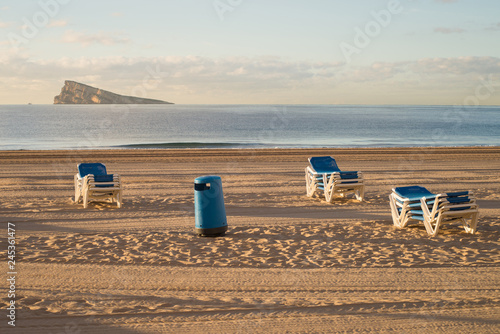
{"x": 323, "y": 176}
{"x": 415, "y": 204}
{"x": 92, "y": 182}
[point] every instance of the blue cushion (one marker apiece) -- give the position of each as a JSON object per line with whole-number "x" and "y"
{"x": 457, "y": 200}
{"x": 103, "y": 178}
{"x": 91, "y": 168}
{"x": 456, "y": 194}
{"x": 460, "y": 209}
{"x": 348, "y": 175}
{"x": 324, "y": 165}
{"x": 413, "y": 193}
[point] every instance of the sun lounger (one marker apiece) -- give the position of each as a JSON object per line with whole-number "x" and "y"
{"x": 93, "y": 183}
{"x": 416, "y": 204}
{"x": 324, "y": 176}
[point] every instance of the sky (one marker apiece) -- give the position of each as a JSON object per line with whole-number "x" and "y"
{"x": 254, "y": 51}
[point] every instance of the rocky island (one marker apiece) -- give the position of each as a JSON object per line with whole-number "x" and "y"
{"x": 78, "y": 93}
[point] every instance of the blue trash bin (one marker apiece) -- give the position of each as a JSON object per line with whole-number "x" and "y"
{"x": 209, "y": 210}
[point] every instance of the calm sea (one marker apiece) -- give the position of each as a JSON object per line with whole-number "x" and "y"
{"x": 174, "y": 126}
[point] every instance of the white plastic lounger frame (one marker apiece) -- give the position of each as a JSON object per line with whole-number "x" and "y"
{"x": 417, "y": 204}
{"x": 324, "y": 176}
{"x": 93, "y": 183}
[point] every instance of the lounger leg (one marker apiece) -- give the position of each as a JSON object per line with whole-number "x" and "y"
{"x": 310, "y": 184}
{"x": 119, "y": 199}
{"x": 77, "y": 190}
{"x": 399, "y": 220}
{"x": 474, "y": 220}
{"x": 328, "y": 193}
{"x": 356, "y": 194}
{"x": 432, "y": 225}
{"x": 85, "y": 199}
{"x": 362, "y": 193}
{"x": 394, "y": 212}
{"x": 470, "y": 224}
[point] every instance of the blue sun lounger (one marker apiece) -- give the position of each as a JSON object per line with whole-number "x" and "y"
{"x": 92, "y": 182}
{"x": 324, "y": 176}
{"x": 416, "y": 204}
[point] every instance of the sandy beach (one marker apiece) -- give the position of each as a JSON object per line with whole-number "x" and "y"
{"x": 288, "y": 264}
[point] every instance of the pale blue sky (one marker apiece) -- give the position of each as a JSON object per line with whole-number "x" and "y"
{"x": 254, "y": 51}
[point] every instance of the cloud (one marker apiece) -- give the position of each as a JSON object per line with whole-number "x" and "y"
{"x": 191, "y": 77}
{"x": 58, "y": 23}
{"x": 117, "y": 14}
{"x": 494, "y": 27}
{"x": 196, "y": 79}
{"x": 460, "y": 66}
{"x": 4, "y": 24}
{"x": 443, "y": 30}
{"x": 86, "y": 39}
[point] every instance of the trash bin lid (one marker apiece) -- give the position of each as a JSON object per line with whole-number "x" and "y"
{"x": 207, "y": 179}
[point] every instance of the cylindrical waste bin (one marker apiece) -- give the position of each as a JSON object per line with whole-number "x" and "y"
{"x": 209, "y": 210}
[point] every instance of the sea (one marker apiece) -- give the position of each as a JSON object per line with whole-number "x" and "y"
{"x": 57, "y": 127}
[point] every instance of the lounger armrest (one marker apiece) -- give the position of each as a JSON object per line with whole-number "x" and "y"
{"x": 320, "y": 177}
{"x": 312, "y": 171}
{"x": 400, "y": 200}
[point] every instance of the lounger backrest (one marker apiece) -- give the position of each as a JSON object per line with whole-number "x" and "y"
{"x": 91, "y": 168}
{"x": 324, "y": 165}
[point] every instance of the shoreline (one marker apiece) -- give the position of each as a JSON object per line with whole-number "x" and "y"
{"x": 232, "y": 146}
{"x": 272, "y": 149}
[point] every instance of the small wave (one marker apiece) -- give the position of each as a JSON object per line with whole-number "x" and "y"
{"x": 189, "y": 145}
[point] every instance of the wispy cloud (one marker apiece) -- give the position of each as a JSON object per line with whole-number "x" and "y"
{"x": 443, "y": 30}
{"x": 4, "y": 24}
{"x": 58, "y": 23}
{"x": 86, "y": 39}
{"x": 459, "y": 66}
{"x": 494, "y": 27}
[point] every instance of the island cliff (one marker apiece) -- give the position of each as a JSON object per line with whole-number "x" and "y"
{"x": 77, "y": 93}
